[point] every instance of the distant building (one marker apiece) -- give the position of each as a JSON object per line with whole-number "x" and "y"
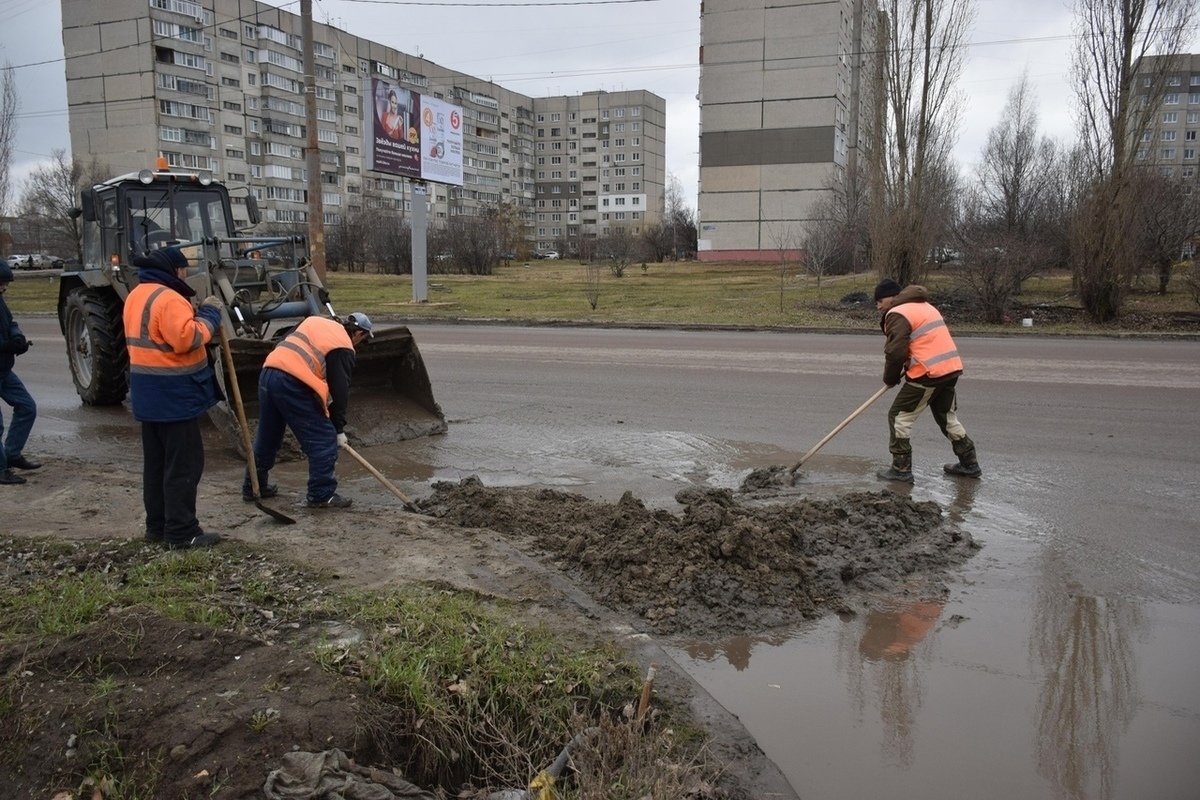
{"x": 1171, "y": 141}
{"x": 218, "y": 85}
{"x": 783, "y": 107}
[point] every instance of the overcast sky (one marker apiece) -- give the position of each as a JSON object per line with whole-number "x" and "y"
{"x": 647, "y": 44}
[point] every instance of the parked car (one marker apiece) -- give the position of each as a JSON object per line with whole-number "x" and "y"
{"x": 34, "y": 261}
{"x": 550, "y": 254}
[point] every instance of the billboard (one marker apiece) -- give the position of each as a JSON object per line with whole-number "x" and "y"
{"x": 412, "y": 136}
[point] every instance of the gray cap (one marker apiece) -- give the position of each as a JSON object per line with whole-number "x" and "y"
{"x": 362, "y": 322}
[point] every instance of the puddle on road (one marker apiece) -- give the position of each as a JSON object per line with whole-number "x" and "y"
{"x": 1014, "y": 686}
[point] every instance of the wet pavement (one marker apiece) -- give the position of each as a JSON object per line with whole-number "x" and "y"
{"x": 1062, "y": 664}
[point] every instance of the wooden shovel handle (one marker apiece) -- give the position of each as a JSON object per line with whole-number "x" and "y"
{"x": 882, "y": 390}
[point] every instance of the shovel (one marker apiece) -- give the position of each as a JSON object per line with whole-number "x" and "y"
{"x": 792, "y": 472}
{"x": 408, "y": 504}
{"x": 245, "y": 427}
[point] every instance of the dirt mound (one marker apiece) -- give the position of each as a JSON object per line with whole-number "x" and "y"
{"x": 189, "y": 709}
{"x": 723, "y": 565}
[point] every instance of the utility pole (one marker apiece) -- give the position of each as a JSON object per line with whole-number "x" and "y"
{"x": 312, "y": 153}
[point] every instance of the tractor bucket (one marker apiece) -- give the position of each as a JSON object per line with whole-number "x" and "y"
{"x": 391, "y": 398}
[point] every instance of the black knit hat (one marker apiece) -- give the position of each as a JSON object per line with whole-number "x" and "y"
{"x": 886, "y": 288}
{"x": 166, "y": 259}
{"x": 6, "y": 275}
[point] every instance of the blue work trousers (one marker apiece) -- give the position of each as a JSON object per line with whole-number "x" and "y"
{"x": 13, "y": 392}
{"x": 285, "y": 402}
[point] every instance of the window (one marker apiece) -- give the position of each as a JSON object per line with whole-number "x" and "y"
{"x": 1194, "y": 99}
{"x": 1168, "y": 136}
{"x": 1189, "y": 136}
{"x": 1189, "y": 153}
{"x": 234, "y": 129}
{"x": 1193, "y": 116}
{"x": 556, "y": 117}
{"x": 1171, "y": 99}
{"x": 1168, "y": 153}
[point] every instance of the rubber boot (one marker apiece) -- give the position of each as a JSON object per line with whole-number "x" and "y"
{"x": 967, "y": 465}
{"x": 900, "y": 470}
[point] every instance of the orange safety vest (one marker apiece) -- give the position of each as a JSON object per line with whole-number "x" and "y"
{"x": 162, "y": 333}
{"x": 931, "y": 350}
{"x": 302, "y": 353}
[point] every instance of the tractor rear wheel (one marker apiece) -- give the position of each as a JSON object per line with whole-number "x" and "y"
{"x": 96, "y": 351}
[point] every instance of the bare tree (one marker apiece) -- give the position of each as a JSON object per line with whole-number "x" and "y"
{"x": 786, "y": 243}
{"x": 1007, "y": 225}
{"x": 657, "y": 238}
{"x": 619, "y": 248}
{"x": 824, "y": 242}
{"x": 10, "y": 104}
{"x": 591, "y": 282}
{"x": 1169, "y": 215}
{"x": 51, "y": 192}
{"x": 1016, "y": 168}
{"x": 680, "y": 220}
{"x": 1114, "y": 40}
{"x": 922, "y": 49}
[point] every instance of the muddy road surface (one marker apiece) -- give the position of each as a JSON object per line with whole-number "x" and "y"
{"x": 1058, "y": 662}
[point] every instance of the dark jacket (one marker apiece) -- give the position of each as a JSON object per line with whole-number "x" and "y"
{"x": 12, "y": 341}
{"x": 897, "y": 330}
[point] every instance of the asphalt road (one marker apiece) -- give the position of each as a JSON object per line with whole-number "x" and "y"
{"x": 1093, "y": 442}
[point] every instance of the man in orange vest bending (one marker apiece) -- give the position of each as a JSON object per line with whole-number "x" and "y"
{"x": 305, "y": 385}
{"x": 919, "y": 347}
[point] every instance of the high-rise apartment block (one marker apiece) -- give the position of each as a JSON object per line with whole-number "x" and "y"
{"x": 784, "y": 100}
{"x": 1170, "y": 142}
{"x": 218, "y": 85}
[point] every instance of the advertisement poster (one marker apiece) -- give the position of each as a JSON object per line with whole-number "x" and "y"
{"x": 412, "y": 136}
{"x": 441, "y": 142}
{"x": 393, "y": 142}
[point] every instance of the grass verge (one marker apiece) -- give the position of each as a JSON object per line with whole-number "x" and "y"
{"x": 686, "y": 293}
{"x": 456, "y": 690}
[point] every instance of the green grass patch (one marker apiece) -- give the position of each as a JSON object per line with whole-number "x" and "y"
{"x": 456, "y": 689}
{"x": 674, "y": 293}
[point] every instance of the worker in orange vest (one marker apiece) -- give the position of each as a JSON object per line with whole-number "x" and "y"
{"x": 172, "y": 383}
{"x": 305, "y": 385}
{"x": 919, "y": 348}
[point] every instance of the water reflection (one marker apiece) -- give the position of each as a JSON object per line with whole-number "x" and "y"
{"x": 1089, "y": 692}
{"x": 883, "y": 658}
{"x": 736, "y": 650}
{"x": 962, "y": 499}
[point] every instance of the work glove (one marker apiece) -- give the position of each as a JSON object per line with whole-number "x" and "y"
{"x": 342, "y": 440}
{"x": 212, "y": 301}
{"x": 18, "y": 345}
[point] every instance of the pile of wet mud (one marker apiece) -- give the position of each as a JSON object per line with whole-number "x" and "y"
{"x": 722, "y": 565}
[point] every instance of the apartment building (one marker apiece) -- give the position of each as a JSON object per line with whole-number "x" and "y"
{"x": 218, "y": 85}
{"x": 1171, "y": 142}
{"x": 784, "y": 100}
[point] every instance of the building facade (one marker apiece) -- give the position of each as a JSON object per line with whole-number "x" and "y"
{"x": 218, "y": 85}
{"x": 783, "y": 103}
{"x": 1171, "y": 140}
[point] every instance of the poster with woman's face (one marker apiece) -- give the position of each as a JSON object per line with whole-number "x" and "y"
{"x": 396, "y": 140}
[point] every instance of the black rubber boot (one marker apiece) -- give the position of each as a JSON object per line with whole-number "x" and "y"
{"x": 967, "y": 465}
{"x": 900, "y": 470}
